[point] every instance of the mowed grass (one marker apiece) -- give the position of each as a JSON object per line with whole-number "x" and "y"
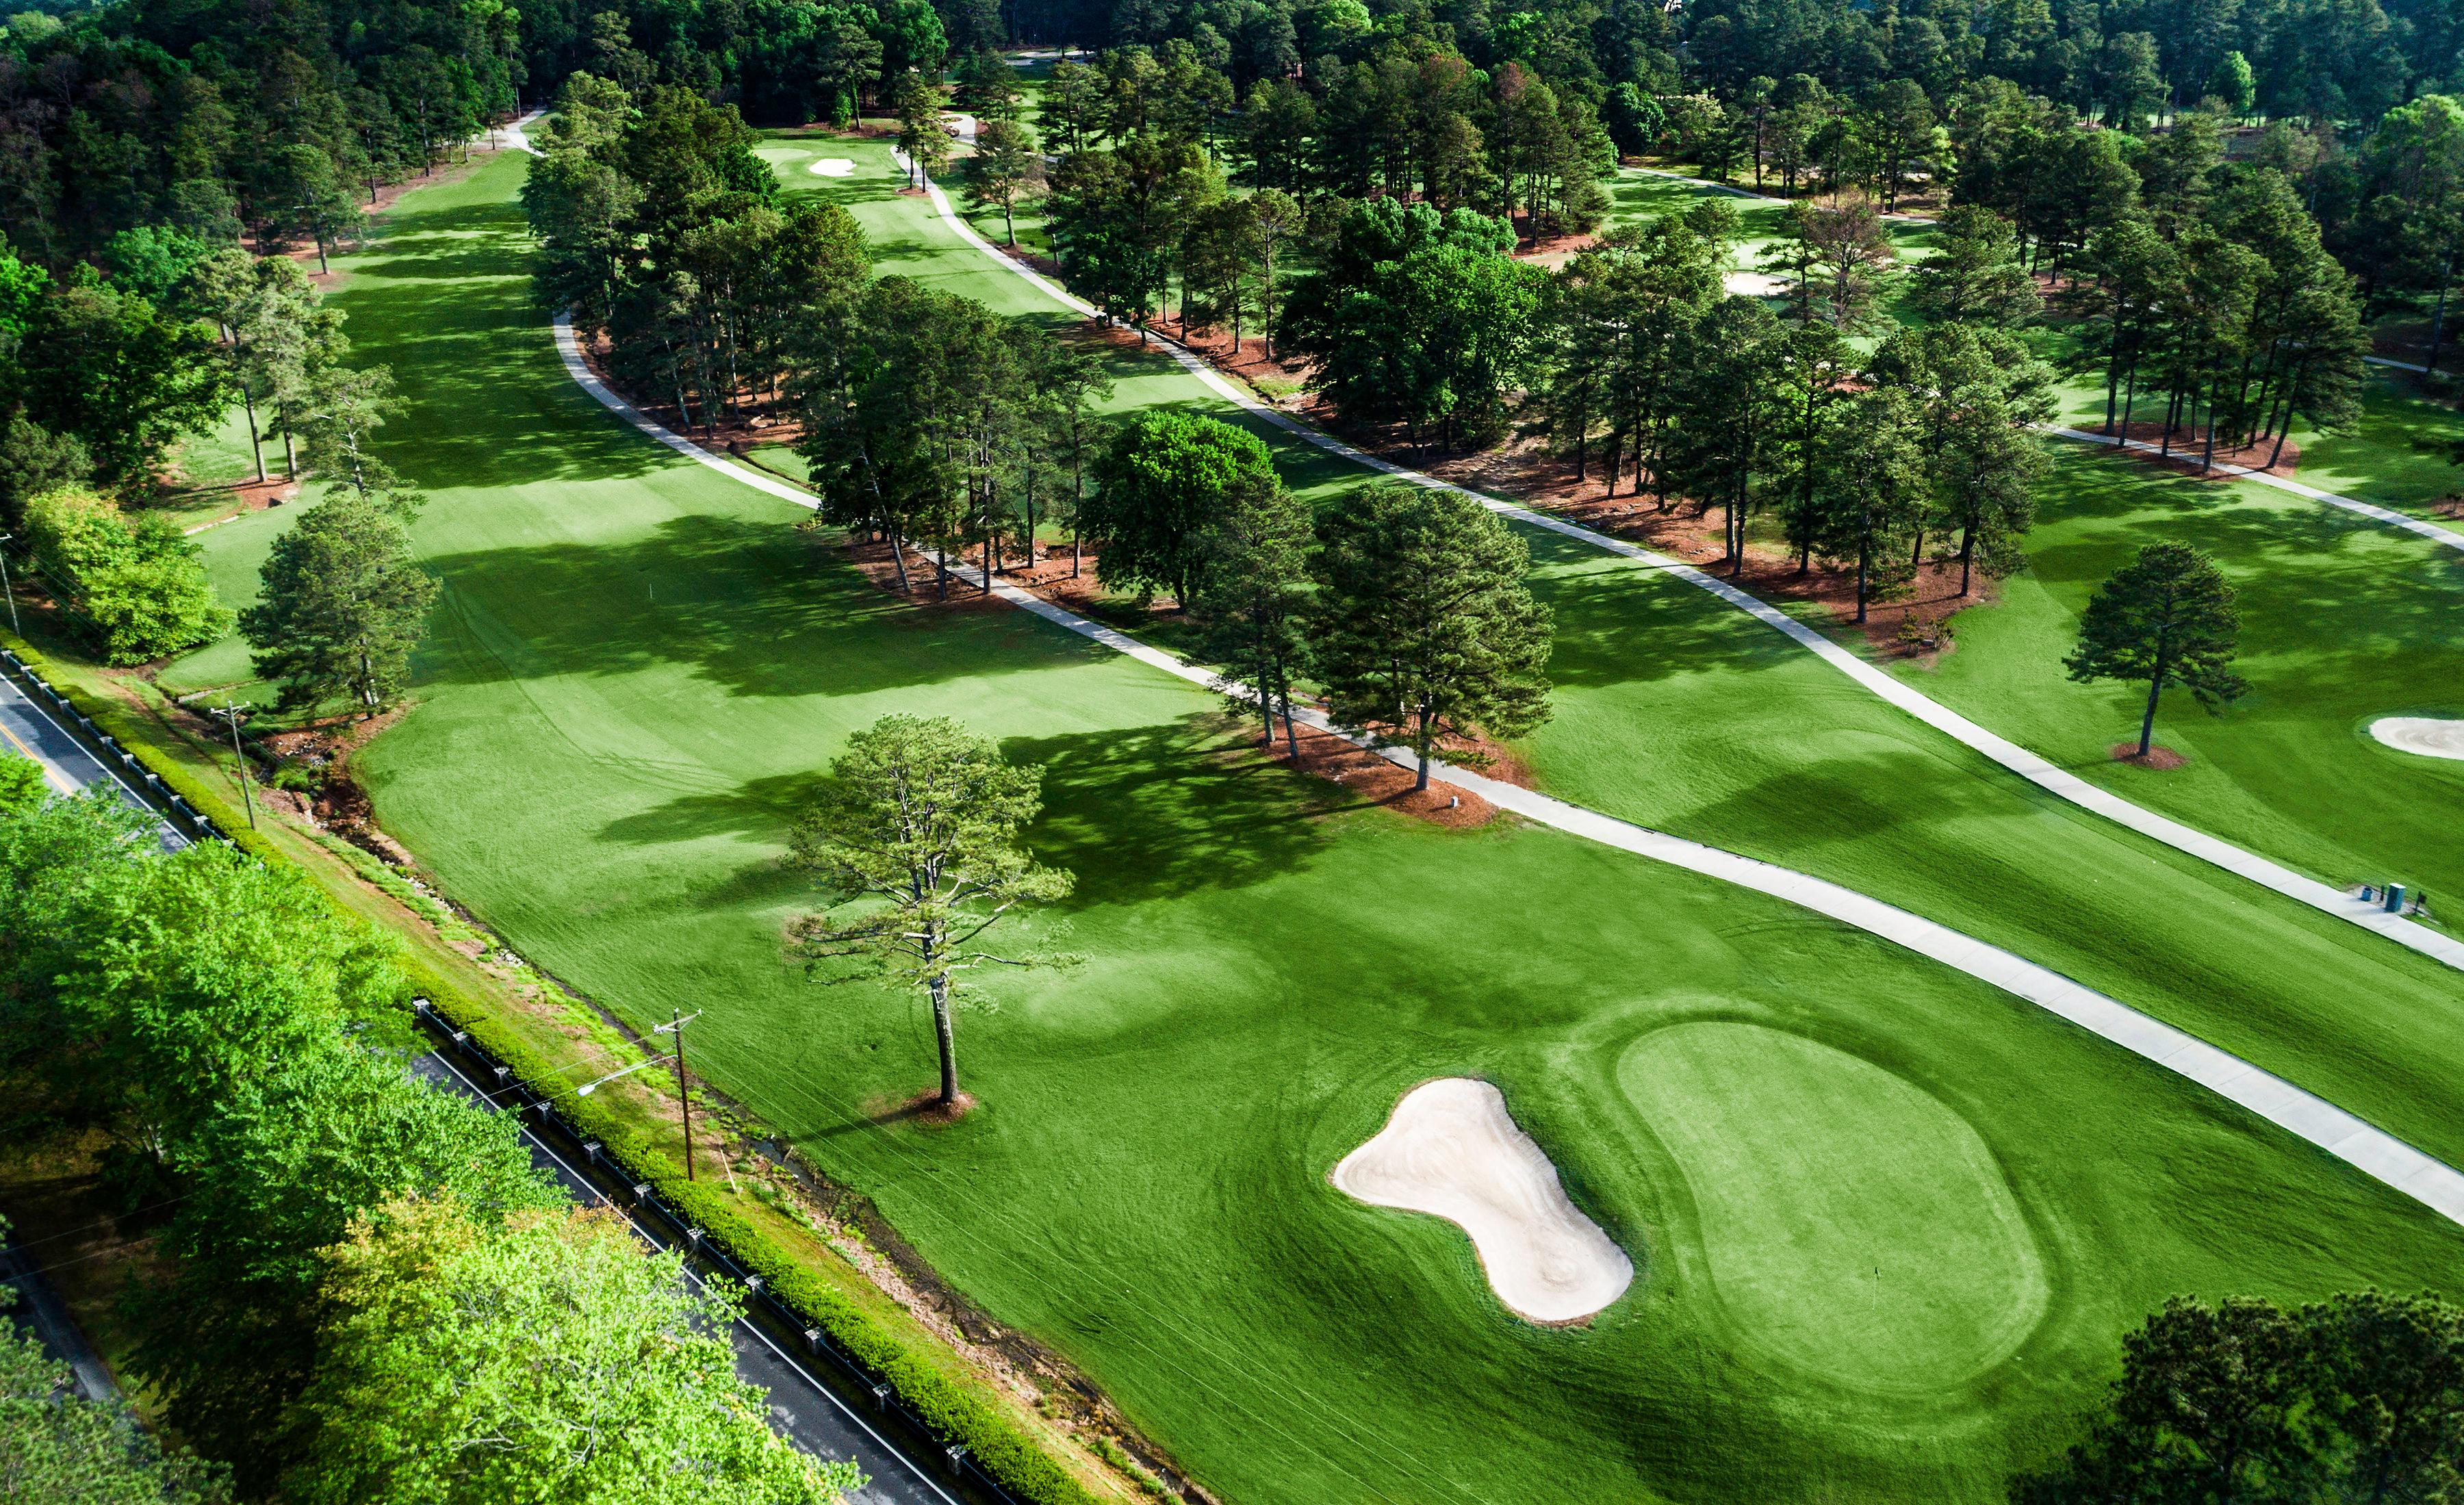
{"x": 1677, "y": 711}
{"x": 2343, "y": 621}
{"x": 636, "y": 667}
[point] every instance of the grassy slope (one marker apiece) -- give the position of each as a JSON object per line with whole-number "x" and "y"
{"x": 2344, "y": 621}
{"x": 605, "y": 777}
{"x": 1677, "y": 711}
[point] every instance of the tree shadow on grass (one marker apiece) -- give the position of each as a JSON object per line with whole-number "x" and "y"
{"x": 1170, "y": 810}
{"x": 1622, "y": 624}
{"x": 1846, "y": 798}
{"x": 449, "y": 308}
{"x": 751, "y": 604}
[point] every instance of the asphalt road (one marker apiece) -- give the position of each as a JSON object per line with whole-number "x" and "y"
{"x": 27, "y": 729}
{"x": 803, "y": 1407}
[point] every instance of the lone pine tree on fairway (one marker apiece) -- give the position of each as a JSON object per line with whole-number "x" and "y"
{"x": 1424, "y": 625}
{"x": 2167, "y": 618}
{"x": 917, "y": 824}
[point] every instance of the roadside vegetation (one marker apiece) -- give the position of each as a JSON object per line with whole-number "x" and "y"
{"x": 237, "y": 1051}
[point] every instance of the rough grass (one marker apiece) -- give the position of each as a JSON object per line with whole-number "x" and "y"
{"x": 637, "y": 665}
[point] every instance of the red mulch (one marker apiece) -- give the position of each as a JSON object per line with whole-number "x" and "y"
{"x": 1379, "y": 783}
{"x": 2186, "y": 453}
{"x": 2159, "y": 758}
{"x": 927, "y": 1109}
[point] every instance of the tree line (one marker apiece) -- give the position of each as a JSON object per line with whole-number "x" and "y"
{"x": 361, "y": 1290}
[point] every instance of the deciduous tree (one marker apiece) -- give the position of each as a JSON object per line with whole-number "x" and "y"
{"x": 1164, "y": 478}
{"x": 546, "y": 1359}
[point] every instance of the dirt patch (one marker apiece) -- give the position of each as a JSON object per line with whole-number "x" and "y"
{"x": 1554, "y": 251}
{"x": 1379, "y": 783}
{"x": 2187, "y": 452}
{"x": 1917, "y": 626}
{"x": 754, "y": 419}
{"x": 926, "y": 1108}
{"x": 244, "y": 497}
{"x": 2159, "y": 758}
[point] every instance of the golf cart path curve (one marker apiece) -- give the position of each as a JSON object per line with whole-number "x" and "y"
{"x": 2038, "y": 770}
{"x": 2376, "y": 1154}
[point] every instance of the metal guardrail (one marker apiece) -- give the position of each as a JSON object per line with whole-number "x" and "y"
{"x": 186, "y": 820}
{"x": 784, "y": 1321}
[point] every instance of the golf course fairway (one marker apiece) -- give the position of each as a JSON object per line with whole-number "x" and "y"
{"x": 637, "y": 665}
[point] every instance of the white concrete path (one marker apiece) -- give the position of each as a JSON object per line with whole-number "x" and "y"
{"x": 2381, "y": 1155}
{"x": 2428, "y": 530}
{"x": 2009, "y": 755}
{"x": 518, "y": 136}
{"x": 2431, "y": 531}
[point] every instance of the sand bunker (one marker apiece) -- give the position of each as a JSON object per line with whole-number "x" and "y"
{"x": 2430, "y": 736}
{"x": 1453, "y": 1151}
{"x": 832, "y": 167}
{"x": 1755, "y": 284}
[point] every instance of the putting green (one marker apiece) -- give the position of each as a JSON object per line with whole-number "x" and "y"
{"x": 1904, "y": 1270}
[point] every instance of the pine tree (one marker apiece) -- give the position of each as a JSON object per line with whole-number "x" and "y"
{"x": 2167, "y": 618}
{"x": 1425, "y": 628}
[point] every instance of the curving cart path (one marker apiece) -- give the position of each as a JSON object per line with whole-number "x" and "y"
{"x": 2448, "y": 536}
{"x": 2378, "y": 1154}
{"x": 2037, "y": 770}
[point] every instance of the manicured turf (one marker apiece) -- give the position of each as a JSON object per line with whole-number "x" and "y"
{"x": 1834, "y": 1264}
{"x": 637, "y": 665}
{"x": 2343, "y": 621}
{"x": 234, "y": 552}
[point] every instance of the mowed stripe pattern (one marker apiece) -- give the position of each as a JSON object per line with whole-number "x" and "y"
{"x": 2427, "y": 1180}
{"x": 2037, "y": 770}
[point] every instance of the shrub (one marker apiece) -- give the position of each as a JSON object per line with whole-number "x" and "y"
{"x": 142, "y": 585}
{"x": 1022, "y": 1466}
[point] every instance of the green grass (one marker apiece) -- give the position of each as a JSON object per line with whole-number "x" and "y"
{"x": 637, "y": 665}
{"x": 2343, "y": 621}
{"x": 1836, "y": 1265}
{"x": 234, "y": 552}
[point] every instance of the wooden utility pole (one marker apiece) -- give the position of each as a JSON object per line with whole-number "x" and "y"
{"x": 676, "y": 1026}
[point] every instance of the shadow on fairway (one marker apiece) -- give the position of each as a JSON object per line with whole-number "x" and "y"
{"x": 1170, "y": 810}
{"x": 752, "y": 606}
{"x": 1617, "y": 625}
{"x": 759, "y": 808}
{"x": 1850, "y": 799}
{"x": 487, "y": 401}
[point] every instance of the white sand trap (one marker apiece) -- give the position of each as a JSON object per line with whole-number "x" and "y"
{"x": 1453, "y": 1151}
{"x": 832, "y": 167}
{"x": 1755, "y": 284}
{"x": 2430, "y": 736}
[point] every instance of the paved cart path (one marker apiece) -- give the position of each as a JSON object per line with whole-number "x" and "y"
{"x": 2037, "y": 770}
{"x": 2429, "y": 1181}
